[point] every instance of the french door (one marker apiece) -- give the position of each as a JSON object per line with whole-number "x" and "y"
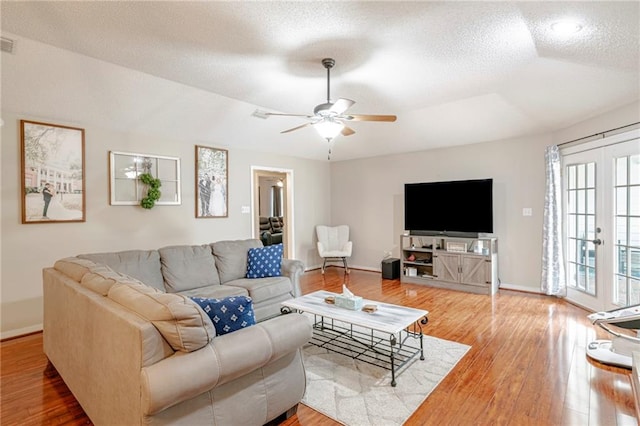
{"x": 601, "y": 195}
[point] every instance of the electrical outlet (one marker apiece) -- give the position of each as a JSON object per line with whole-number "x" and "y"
{"x": 527, "y": 211}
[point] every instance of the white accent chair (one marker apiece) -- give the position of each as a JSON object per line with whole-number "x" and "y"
{"x": 334, "y": 244}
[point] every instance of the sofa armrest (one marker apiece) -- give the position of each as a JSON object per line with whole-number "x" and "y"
{"x": 185, "y": 375}
{"x": 265, "y": 237}
{"x": 347, "y": 247}
{"x": 293, "y": 269}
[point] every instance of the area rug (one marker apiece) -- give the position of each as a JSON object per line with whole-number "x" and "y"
{"x": 356, "y": 393}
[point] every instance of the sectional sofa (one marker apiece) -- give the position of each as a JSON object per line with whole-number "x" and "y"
{"x": 122, "y": 332}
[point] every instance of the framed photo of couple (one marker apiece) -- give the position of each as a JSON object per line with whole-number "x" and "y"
{"x": 211, "y": 182}
{"x": 52, "y": 173}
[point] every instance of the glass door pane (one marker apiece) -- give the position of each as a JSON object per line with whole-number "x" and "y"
{"x": 602, "y": 222}
{"x": 627, "y": 230}
{"x": 581, "y": 230}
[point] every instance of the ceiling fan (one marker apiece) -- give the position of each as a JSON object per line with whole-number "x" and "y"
{"x": 329, "y": 118}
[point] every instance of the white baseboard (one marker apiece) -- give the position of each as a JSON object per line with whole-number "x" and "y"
{"x": 337, "y": 265}
{"x": 312, "y": 267}
{"x": 365, "y": 268}
{"x": 505, "y": 286}
{"x": 523, "y": 288}
{"x": 20, "y": 331}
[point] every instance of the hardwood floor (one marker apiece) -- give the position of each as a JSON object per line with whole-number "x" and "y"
{"x": 527, "y": 363}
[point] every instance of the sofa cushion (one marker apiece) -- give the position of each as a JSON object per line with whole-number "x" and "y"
{"x": 215, "y": 291}
{"x": 180, "y": 321}
{"x": 276, "y": 224}
{"x": 264, "y": 261}
{"x": 228, "y": 314}
{"x": 143, "y": 265}
{"x": 261, "y": 289}
{"x": 100, "y": 278}
{"x": 265, "y": 224}
{"x": 188, "y": 267}
{"x": 231, "y": 258}
{"x": 74, "y": 267}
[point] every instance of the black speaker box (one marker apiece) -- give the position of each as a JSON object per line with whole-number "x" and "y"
{"x": 391, "y": 269}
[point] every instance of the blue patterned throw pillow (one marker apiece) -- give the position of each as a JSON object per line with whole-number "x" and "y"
{"x": 265, "y": 261}
{"x": 229, "y": 313}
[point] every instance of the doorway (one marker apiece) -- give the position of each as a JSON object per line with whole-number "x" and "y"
{"x": 601, "y": 198}
{"x": 272, "y": 197}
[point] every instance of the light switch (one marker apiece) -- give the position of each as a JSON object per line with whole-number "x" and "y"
{"x": 527, "y": 211}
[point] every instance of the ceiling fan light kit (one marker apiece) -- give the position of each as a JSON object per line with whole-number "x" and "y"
{"x": 329, "y": 128}
{"x": 328, "y": 118}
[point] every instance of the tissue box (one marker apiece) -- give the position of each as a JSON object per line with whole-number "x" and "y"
{"x": 354, "y": 303}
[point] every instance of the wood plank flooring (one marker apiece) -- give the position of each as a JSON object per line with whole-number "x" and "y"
{"x": 527, "y": 363}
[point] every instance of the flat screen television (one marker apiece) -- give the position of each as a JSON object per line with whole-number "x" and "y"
{"x": 462, "y": 208}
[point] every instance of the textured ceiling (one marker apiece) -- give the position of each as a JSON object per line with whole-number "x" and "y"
{"x": 453, "y": 72}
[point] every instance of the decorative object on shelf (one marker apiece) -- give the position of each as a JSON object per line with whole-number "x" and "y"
{"x": 153, "y": 190}
{"x": 330, "y": 300}
{"x": 411, "y": 257}
{"x": 135, "y": 179}
{"x": 457, "y": 247}
{"x": 211, "y": 182}
{"x": 52, "y": 176}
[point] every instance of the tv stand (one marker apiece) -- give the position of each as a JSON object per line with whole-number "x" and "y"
{"x": 466, "y": 264}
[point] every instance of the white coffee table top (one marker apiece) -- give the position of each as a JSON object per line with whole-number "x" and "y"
{"x": 388, "y": 318}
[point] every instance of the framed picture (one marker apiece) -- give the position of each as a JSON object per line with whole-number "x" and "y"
{"x": 53, "y": 184}
{"x": 211, "y": 182}
{"x": 127, "y": 189}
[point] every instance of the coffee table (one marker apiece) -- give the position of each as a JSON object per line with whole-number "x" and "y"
{"x": 378, "y": 338}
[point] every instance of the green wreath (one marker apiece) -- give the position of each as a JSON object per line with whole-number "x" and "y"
{"x": 153, "y": 193}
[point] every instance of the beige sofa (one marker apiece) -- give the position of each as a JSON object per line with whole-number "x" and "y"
{"x": 132, "y": 347}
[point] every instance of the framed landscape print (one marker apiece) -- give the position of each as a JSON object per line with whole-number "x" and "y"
{"x": 53, "y": 183}
{"x": 211, "y": 182}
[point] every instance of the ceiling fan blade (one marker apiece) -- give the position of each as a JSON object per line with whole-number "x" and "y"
{"x": 296, "y": 128}
{"x": 288, "y": 115}
{"x": 341, "y": 105}
{"x": 370, "y": 117}
{"x": 347, "y": 131}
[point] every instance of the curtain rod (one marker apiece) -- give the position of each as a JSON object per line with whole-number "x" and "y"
{"x": 600, "y": 133}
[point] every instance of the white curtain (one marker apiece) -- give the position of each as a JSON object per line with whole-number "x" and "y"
{"x": 553, "y": 275}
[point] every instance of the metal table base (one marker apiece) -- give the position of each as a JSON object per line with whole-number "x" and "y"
{"x": 385, "y": 351}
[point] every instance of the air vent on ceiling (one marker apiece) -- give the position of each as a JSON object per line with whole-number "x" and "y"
{"x": 6, "y": 44}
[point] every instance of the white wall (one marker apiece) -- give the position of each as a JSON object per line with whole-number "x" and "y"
{"x": 619, "y": 117}
{"x": 124, "y": 110}
{"x": 371, "y": 200}
{"x": 68, "y": 100}
{"x": 368, "y": 194}
{"x": 26, "y": 249}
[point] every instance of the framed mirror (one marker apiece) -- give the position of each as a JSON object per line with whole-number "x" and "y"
{"x": 125, "y": 187}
